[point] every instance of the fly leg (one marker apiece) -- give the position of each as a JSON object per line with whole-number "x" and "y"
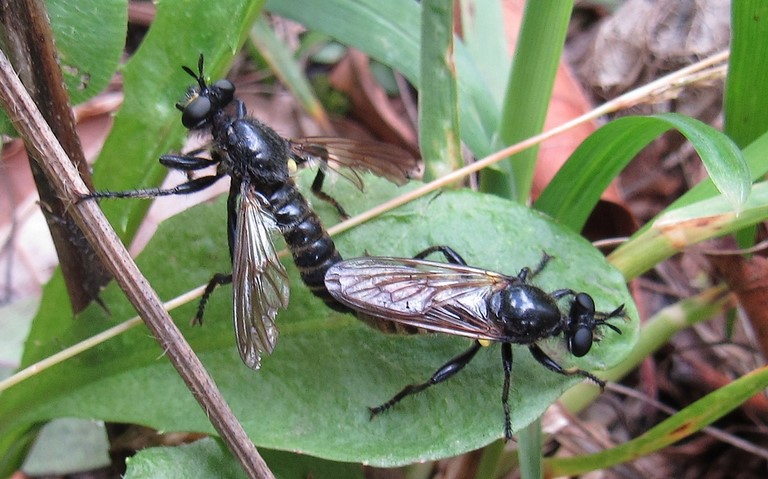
{"x": 506, "y": 361}
{"x": 218, "y": 279}
{"x": 191, "y": 186}
{"x": 186, "y": 188}
{"x": 176, "y": 162}
{"x": 450, "y": 255}
{"x": 317, "y": 190}
{"x": 188, "y": 162}
{"x": 315, "y": 153}
{"x": 527, "y": 272}
{"x": 562, "y": 293}
{"x": 550, "y": 364}
{"x": 445, "y": 372}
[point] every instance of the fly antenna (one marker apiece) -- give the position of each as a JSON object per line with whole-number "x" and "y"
{"x": 197, "y": 76}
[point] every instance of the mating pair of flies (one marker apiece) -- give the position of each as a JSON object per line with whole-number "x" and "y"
{"x": 402, "y": 295}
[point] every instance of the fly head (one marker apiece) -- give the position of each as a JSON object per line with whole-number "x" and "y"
{"x": 203, "y": 101}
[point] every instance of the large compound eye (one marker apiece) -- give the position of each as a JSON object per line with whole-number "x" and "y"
{"x": 584, "y": 303}
{"x": 196, "y": 112}
{"x": 226, "y": 91}
{"x": 580, "y": 342}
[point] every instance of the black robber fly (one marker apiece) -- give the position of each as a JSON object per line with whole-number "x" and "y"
{"x": 263, "y": 197}
{"x": 414, "y": 295}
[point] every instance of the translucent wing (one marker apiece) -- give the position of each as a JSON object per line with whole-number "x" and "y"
{"x": 259, "y": 281}
{"x": 349, "y": 157}
{"x": 439, "y": 297}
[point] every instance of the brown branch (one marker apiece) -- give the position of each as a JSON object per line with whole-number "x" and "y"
{"x": 65, "y": 179}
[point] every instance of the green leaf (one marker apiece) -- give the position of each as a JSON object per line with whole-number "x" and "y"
{"x": 15, "y": 320}
{"x": 746, "y": 117}
{"x": 312, "y": 393}
{"x": 756, "y": 157}
{"x": 676, "y": 229}
{"x": 577, "y": 187}
{"x": 210, "y": 458}
{"x": 528, "y": 93}
{"x": 439, "y": 134}
{"x": 89, "y": 36}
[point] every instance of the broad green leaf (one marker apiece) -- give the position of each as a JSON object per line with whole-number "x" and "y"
{"x": 210, "y": 458}
{"x": 577, "y": 187}
{"x": 312, "y": 393}
{"x": 66, "y": 446}
{"x": 89, "y": 36}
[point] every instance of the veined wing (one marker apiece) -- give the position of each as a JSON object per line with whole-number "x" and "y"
{"x": 439, "y": 297}
{"x": 259, "y": 280}
{"x": 350, "y": 157}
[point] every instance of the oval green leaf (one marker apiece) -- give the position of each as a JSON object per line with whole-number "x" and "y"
{"x": 312, "y": 393}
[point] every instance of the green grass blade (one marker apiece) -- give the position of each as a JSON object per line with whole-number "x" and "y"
{"x": 693, "y": 418}
{"x": 680, "y": 228}
{"x": 529, "y": 451}
{"x": 439, "y": 135}
{"x": 529, "y": 89}
{"x": 746, "y": 115}
{"x": 482, "y": 30}
{"x": 577, "y": 187}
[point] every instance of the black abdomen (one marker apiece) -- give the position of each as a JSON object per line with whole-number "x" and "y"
{"x": 314, "y": 252}
{"x": 312, "y": 248}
